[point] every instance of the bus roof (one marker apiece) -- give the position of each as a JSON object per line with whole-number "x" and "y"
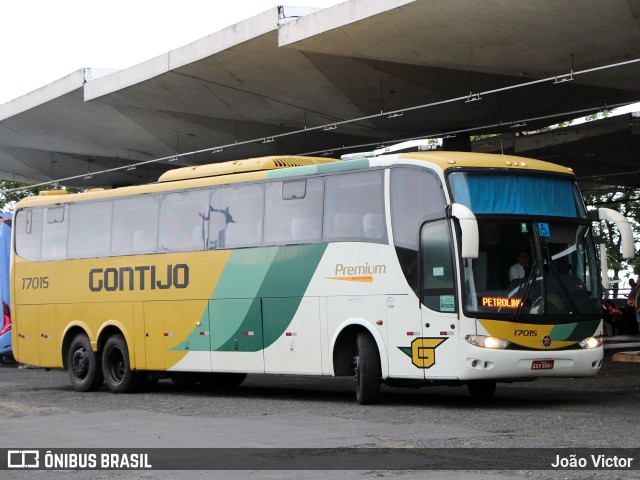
{"x": 264, "y": 168}
{"x": 448, "y": 160}
{"x": 243, "y": 166}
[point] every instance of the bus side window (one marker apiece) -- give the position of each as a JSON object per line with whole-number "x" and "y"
{"x": 89, "y": 229}
{"x": 416, "y": 196}
{"x": 135, "y": 225}
{"x": 236, "y": 217}
{"x": 373, "y": 225}
{"x": 293, "y": 212}
{"x": 28, "y": 226}
{"x": 354, "y": 208}
{"x": 182, "y": 216}
{"x": 438, "y": 286}
{"x": 217, "y": 228}
{"x": 54, "y": 233}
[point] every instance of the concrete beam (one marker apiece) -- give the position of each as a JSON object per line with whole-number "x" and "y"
{"x": 333, "y": 18}
{"x": 49, "y": 92}
{"x": 191, "y": 53}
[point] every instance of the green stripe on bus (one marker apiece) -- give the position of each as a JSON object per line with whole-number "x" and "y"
{"x": 245, "y": 315}
{"x": 244, "y": 273}
{"x": 322, "y": 168}
{"x": 235, "y": 314}
{"x": 289, "y": 277}
{"x": 342, "y": 166}
{"x": 575, "y": 331}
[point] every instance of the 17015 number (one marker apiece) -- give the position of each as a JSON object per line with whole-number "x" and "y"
{"x": 35, "y": 283}
{"x": 525, "y": 333}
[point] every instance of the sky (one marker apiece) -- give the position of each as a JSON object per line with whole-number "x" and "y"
{"x": 44, "y": 40}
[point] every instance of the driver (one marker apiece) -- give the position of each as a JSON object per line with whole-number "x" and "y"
{"x": 517, "y": 270}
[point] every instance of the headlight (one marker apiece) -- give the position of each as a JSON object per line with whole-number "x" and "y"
{"x": 591, "y": 342}
{"x": 487, "y": 342}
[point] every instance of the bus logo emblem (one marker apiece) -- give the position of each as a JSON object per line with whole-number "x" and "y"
{"x": 546, "y": 341}
{"x": 423, "y": 351}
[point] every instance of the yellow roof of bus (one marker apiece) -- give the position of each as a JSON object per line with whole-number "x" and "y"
{"x": 263, "y": 168}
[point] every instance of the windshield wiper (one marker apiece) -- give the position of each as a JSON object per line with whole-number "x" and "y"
{"x": 556, "y": 274}
{"x": 527, "y": 289}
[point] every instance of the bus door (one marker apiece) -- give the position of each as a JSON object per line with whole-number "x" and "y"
{"x": 292, "y": 335}
{"x": 173, "y": 329}
{"x": 237, "y": 340}
{"x": 436, "y": 351}
{"x": 404, "y": 329}
{"x": 36, "y": 341}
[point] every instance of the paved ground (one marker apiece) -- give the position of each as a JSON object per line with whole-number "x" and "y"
{"x": 38, "y": 409}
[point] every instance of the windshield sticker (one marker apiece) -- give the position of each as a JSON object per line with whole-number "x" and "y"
{"x": 447, "y": 303}
{"x": 543, "y": 230}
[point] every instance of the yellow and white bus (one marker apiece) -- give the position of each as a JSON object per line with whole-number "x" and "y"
{"x": 391, "y": 267}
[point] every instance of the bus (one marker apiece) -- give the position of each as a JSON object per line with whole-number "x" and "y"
{"x": 389, "y": 266}
{"x": 5, "y": 256}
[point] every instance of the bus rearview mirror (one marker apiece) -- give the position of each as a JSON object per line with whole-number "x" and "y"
{"x": 626, "y": 234}
{"x": 469, "y": 230}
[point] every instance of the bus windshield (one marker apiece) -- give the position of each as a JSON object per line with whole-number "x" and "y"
{"x": 534, "y": 269}
{"x": 536, "y": 256}
{"x": 519, "y": 194}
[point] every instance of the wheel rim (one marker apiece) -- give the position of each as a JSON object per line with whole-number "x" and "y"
{"x": 117, "y": 366}
{"x": 80, "y": 363}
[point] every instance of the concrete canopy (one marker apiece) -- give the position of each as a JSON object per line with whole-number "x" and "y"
{"x": 275, "y": 73}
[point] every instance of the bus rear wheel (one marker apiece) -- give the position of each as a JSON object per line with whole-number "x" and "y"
{"x": 367, "y": 370}
{"x": 116, "y": 367}
{"x": 83, "y": 365}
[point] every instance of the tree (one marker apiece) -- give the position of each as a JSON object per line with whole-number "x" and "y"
{"x": 9, "y": 196}
{"x": 625, "y": 201}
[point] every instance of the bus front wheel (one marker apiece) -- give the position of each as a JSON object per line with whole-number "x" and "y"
{"x": 367, "y": 370}
{"x": 116, "y": 367}
{"x": 83, "y": 365}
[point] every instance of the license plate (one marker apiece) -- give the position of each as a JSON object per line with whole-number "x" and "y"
{"x": 542, "y": 365}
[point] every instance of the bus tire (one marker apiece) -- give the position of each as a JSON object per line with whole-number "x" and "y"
{"x": 83, "y": 365}
{"x": 116, "y": 367}
{"x": 367, "y": 370}
{"x": 8, "y": 359}
{"x": 482, "y": 390}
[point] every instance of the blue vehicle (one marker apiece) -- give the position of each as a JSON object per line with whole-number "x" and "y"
{"x": 5, "y": 255}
